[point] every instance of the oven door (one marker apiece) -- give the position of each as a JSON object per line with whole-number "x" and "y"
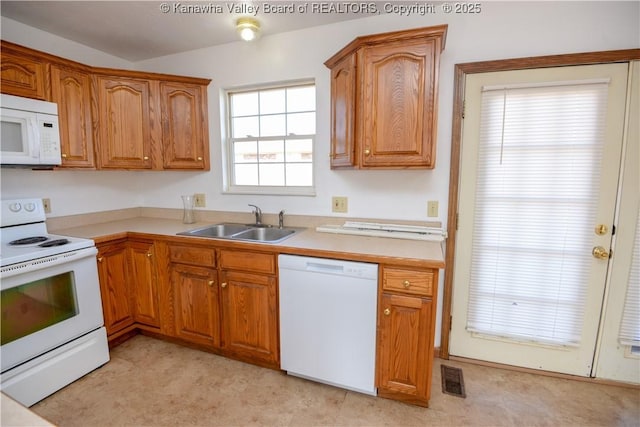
{"x": 46, "y": 303}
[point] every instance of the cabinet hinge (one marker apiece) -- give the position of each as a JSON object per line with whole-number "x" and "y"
{"x": 464, "y": 108}
{"x": 450, "y": 322}
{"x": 613, "y": 230}
{"x": 456, "y": 222}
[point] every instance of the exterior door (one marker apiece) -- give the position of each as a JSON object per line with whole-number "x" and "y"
{"x": 539, "y": 175}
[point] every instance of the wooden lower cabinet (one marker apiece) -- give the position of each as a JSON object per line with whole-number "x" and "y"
{"x": 114, "y": 286}
{"x": 143, "y": 280}
{"x": 196, "y": 311}
{"x": 406, "y": 321}
{"x": 249, "y": 316}
{"x": 248, "y": 305}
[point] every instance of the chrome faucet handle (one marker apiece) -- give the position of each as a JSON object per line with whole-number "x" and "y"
{"x": 258, "y": 213}
{"x": 281, "y": 219}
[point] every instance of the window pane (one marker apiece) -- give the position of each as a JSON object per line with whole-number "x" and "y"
{"x": 301, "y": 99}
{"x": 272, "y": 101}
{"x": 272, "y": 125}
{"x": 301, "y": 124}
{"x": 300, "y": 175}
{"x": 299, "y": 150}
{"x": 245, "y": 152}
{"x": 272, "y": 151}
{"x": 244, "y": 104}
{"x": 246, "y": 174}
{"x": 245, "y": 127}
{"x": 272, "y": 174}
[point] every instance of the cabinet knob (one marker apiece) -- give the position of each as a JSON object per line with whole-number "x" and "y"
{"x": 145, "y": 158}
{"x": 199, "y": 158}
{"x": 367, "y": 151}
{"x": 406, "y": 284}
{"x": 224, "y": 284}
{"x": 149, "y": 254}
{"x": 100, "y": 259}
{"x": 211, "y": 282}
{"x": 387, "y": 312}
{"x": 64, "y": 156}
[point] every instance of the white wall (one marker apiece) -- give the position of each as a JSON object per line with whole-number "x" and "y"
{"x": 501, "y": 30}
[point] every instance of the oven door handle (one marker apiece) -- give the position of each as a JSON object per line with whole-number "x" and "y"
{"x": 46, "y": 262}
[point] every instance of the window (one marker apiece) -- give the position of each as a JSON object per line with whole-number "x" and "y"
{"x": 270, "y": 139}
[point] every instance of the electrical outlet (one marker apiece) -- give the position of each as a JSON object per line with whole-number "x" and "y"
{"x": 432, "y": 208}
{"x": 339, "y": 204}
{"x": 47, "y": 205}
{"x": 199, "y": 200}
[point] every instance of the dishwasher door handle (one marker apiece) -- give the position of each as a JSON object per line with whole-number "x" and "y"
{"x": 324, "y": 268}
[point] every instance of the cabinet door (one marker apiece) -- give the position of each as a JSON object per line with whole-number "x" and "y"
{"x": 185, "y": 139}
{"x": 398, "y": 110}
{"x": 404, "y": 337}
{"x": 196, "y": 309}
{"x": 142, "y": 274}
{"x": 71, "y": 90}
{"x": 114, "y": 287}
{"x": 343, "y": 111}
{"x": 125, "y": 123}
{"x": 23, "y": 76}
{"x": 249, "y": 316}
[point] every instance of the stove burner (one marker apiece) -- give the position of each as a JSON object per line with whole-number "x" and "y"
{"x": 28, "y": 240}
{"x": 58, "y": 242}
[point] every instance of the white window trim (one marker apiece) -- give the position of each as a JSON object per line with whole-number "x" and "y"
{"x": 227, "y": 161}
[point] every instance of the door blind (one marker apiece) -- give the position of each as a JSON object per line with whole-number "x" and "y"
{"x": 539, "y": 157}
{"x": 630, "y": 327}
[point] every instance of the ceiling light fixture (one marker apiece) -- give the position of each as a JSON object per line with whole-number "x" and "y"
{"x": 248, "y": 28}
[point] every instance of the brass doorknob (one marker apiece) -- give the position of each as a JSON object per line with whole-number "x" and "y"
{"x": 224, "y": 284}
{"x": 600, "y": 252}
{"x": 601, "y": 229}
{"x": 387, "y": 312}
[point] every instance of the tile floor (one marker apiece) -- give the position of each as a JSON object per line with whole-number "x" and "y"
{"x": 150, "y": 382}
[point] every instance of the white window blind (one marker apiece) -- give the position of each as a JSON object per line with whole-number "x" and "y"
{"x": 536, "y": 198}
{"x": 630, "y": 327}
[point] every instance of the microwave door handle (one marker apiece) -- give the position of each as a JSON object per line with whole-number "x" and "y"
{"x": 33, "y": 135}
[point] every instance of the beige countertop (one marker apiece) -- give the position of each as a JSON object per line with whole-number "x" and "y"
{"x": 308, "y": 242}
{"x": 15, "y": 415}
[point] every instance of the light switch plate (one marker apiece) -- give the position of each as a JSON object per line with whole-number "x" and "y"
{"x": 199, "y": 200}
{"x": 47, "y": 205}
{"x": 432, "y": 208}
{"x": 339, "y": 204}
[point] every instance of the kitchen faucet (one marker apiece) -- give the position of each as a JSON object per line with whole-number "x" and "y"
{"x": 258, "y": 214}
{"x": 281, "y": 219}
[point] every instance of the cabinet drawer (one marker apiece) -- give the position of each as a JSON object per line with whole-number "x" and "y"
{"x": 204, "y": 257}
{"x": 248, "y": 261}
{"x": 408, "y": 281}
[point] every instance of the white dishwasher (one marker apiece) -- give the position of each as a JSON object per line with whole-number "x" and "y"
{"x": 328, "y": 321}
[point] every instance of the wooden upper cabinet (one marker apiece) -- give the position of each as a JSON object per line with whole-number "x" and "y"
{"x": 343, "y": 93}
{"x": 71, "y": 90}
{"x": 23, "y": 75}
{"x": 185, "y": 139}
{"x": 125, "y": 123}
{"x": 384, "y": 100}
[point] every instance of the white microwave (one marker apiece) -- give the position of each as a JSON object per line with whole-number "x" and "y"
{"x": 30, "y": 133}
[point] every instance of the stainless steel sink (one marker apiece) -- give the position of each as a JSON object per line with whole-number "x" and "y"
{"x": 271, "y": 235}
{"x": 245, "y": 232}
{"x": 217, "y": 230}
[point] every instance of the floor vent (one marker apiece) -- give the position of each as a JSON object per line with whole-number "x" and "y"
{"x": 452, "y": 381}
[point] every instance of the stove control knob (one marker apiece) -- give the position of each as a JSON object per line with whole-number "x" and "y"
{"x": 30, "y": 207}
{"x": 15, "y": 207}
